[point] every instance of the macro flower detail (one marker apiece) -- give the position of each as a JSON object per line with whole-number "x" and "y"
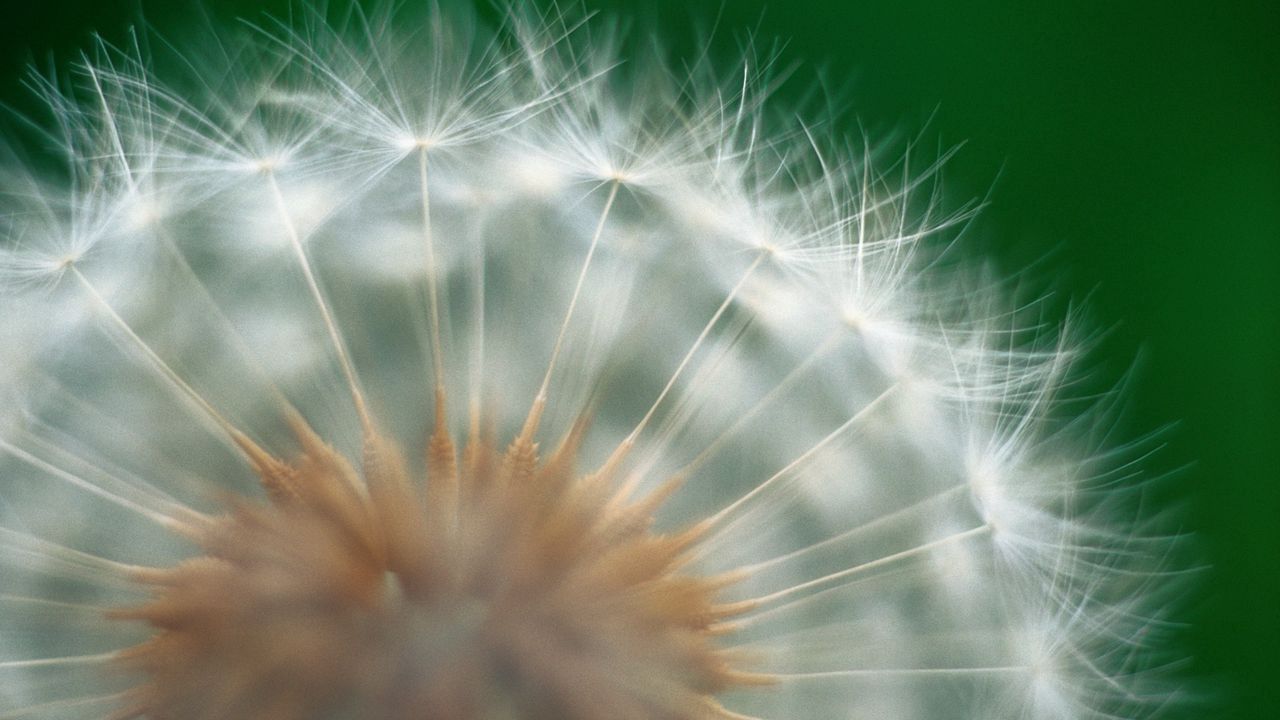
{"x": 385, "y": 366}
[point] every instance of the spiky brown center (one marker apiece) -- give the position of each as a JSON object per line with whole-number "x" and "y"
{"x": 501, "y": 586}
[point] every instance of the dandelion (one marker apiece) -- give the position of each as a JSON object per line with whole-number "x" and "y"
{"x": 356, "y": 371}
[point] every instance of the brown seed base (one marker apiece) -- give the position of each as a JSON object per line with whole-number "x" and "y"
{"x": 511, "y": 587}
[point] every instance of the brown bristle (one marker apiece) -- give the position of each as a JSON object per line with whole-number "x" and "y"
{"x": 514, "y": 589}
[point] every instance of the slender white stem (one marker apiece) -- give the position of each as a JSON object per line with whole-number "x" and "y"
{"x": 165, "y": 521}
{"x": 66, "y": 555}
{"x": 477, "y": 324}
{"x": 43, "y": 708}
{"x": 785, "y": 384}
{"x": 155, "y": 360}
{"x": 805, "y": 456}
{"x": 60, "y": 454}
{"x": 873, "y": 564}
{"x": 577, "y": 290}
{"x": 60, "y": 607}
{"x": 865, "y": 527}
{"x": 540, "y": 400}
{"x": 433, "y": 291}
{"x": 903, "y": 672}
{"x": 70, "y": 660}
{"x": 688, "y": 356}
{"x": 49, "y": 564}
{"x": 624, "y": 448}
{"x": 902, "y": 576}
{"x": 335, "y": 337}
{"x": 202, "y": 291}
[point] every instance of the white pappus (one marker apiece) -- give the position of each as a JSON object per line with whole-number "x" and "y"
{"x": 378, "y": 364}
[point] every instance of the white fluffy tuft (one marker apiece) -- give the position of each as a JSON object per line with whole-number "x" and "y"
{"x": 338, "y": 208}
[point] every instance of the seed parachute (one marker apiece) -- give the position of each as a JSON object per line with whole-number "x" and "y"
{"x": 379, "y": 364}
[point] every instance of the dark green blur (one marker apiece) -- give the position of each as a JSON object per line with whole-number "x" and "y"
{"x": 1131, "y": 153}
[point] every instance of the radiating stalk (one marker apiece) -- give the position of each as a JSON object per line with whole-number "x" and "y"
{"x": 335, "y": 337}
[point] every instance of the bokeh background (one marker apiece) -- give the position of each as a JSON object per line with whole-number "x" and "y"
{"x": 1131, "y": 155}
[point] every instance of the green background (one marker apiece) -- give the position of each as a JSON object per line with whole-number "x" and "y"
{"x": 1131, "y": 152}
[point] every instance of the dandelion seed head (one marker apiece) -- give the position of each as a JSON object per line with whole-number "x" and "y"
{"x": 379, "y": 364}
